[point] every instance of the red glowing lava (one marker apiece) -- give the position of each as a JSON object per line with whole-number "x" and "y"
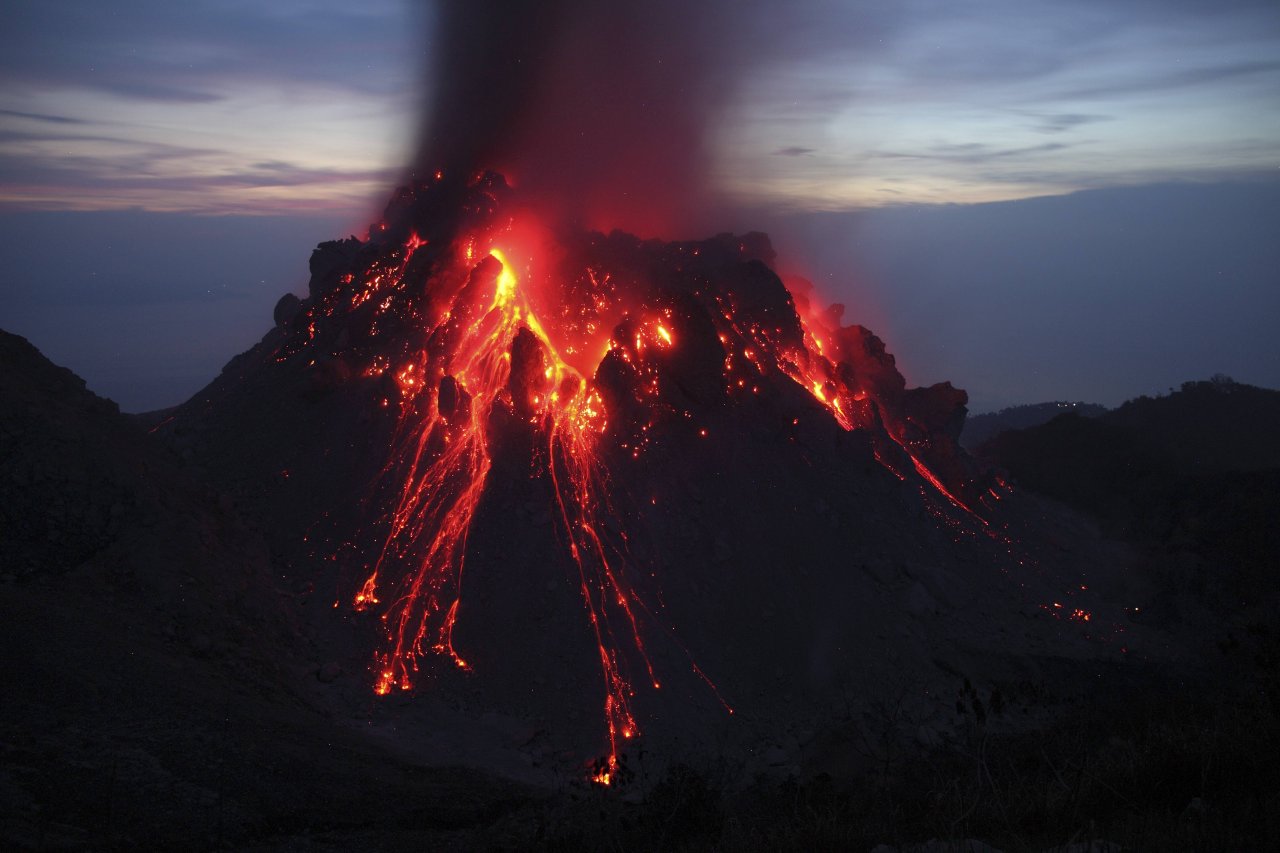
{"x": 487, "y": 348}
{"x": 491, "y": 324}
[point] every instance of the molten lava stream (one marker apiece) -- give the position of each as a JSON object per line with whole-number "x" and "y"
{"x": 448, "y": 463}
{"x": 444, "y": 466}
{"x": 581, "y": 499}
{"x": 810, "y": 368}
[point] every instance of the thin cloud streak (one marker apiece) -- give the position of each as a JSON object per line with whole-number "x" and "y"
{"x": 42, "y": 117}
{"x": 1165, "y": 81}
{"x": 972, "y": 152}
{"x": 1063, "y": 122}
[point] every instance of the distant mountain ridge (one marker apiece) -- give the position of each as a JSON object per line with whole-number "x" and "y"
{"x": 1213, "y": 425}
{"x": 980, "y": 428}
{"x": 1195, "y": 473}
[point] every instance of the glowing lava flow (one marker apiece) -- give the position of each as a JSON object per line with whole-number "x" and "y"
{"x": 443, "y": 466}
{"x": 471, "y": 359}
{"x": 805, "y": 363}
{"x": 447, "y": 464}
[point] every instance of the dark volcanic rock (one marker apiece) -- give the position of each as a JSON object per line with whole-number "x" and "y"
{"x": 63, "y": 496}
{"x": 936, "y": 410}
{"x": 529, "y": 382}
{"x": 286, "y": 309}
{"x": 153, "y": 665}
{"x": 870, "y": 367}
{"x": 328, "y": 262}
{"x": 793, "y": 561}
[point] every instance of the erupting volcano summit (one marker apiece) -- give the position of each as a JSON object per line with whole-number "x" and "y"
{"x": 740, "y": 492}
{"x": 582, "y": 352}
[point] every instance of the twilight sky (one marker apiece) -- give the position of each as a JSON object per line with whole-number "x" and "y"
{"x": 165, "y": 168}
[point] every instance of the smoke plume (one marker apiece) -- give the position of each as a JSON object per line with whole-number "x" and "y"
{"x": 598, "y": 111}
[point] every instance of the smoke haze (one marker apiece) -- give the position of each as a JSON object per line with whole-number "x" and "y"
{"x": 597, "y": 111}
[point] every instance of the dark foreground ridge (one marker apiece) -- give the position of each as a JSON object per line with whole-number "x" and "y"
{"x": 153, "y": 654}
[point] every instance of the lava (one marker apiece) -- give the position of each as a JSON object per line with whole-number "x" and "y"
{"x": 488, "y": 321}
{"x": 497, "y": 356}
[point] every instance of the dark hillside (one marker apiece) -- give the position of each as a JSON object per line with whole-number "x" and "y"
{"x": 1193, "y": 476}
{"x": 981, "y": 428}
{"x": 154, "y": 673}
{"x": 1210, "y": 426}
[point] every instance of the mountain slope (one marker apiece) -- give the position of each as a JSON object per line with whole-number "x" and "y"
{"x": 594, "y": 485}
{"x": 154, "y": 669}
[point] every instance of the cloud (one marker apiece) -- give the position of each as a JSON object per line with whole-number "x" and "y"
{"x": 285, "y": 175}
{"x": 45, "y": 117}
{"x": 101, "y": 154}
{"x": 794, "y": 151}
{"x": 1166, "y": 80}
{"x": 1061, "y": 122}
{"x": 1156, "y": 175}
{"x": 972, "y": 152}
{"x": 152, "y": 167}
{"x": 77, "y": 171}
{"x": 152, "y": 103}
{"x": 191, "y": 52}
{"x": 148, "y": 91}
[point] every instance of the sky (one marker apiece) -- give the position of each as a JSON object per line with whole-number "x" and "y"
{"x": 204, "y": 106}
{"x": 165, "y": 169}
{"x": 986, "y": 100}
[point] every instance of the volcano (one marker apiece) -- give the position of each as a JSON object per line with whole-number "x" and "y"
{"x": 618, "y": 496}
